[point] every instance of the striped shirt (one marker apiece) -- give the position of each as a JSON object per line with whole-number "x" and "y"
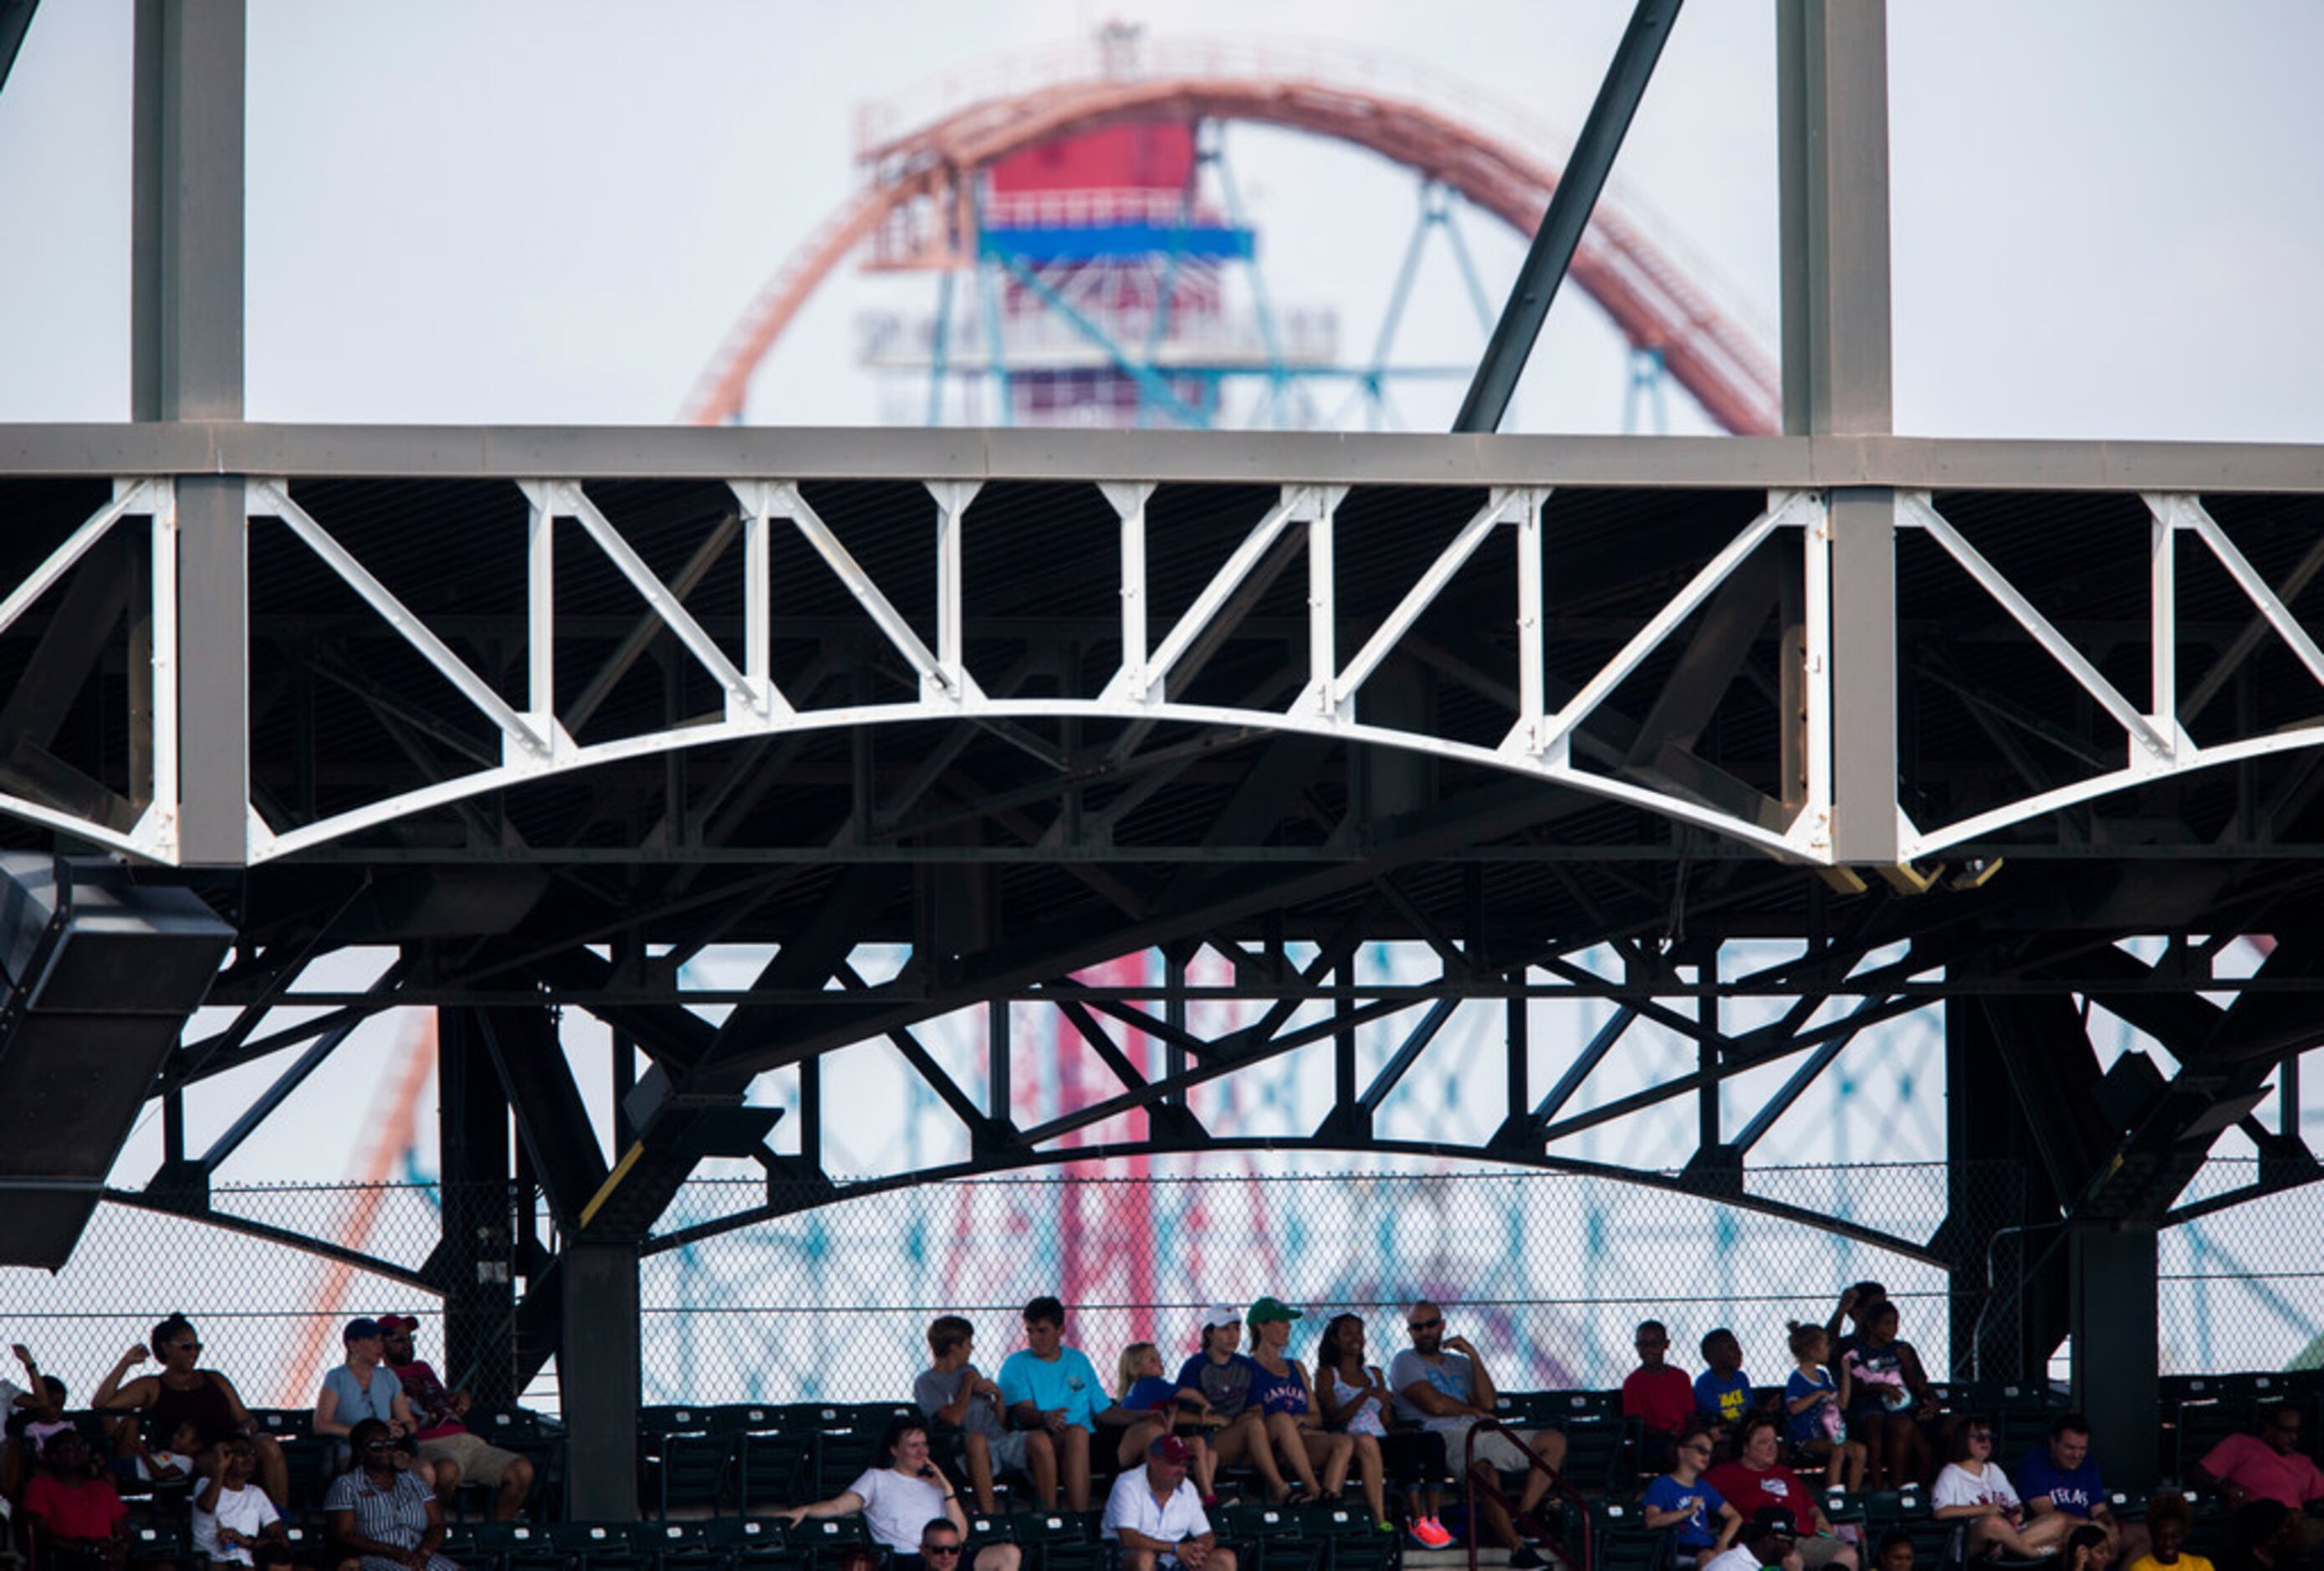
{"x": 396, "y": 1515}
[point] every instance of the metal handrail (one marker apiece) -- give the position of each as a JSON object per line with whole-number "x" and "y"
{"x": 1533, "y": 1462}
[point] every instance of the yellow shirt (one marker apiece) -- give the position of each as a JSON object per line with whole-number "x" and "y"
{"x": 2185, "y": 1562}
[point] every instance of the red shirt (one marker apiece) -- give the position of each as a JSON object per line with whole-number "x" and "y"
{"x": 1661, "y": 1399}
{"x": 1747, "y": 1491}
{"x": 86, "y": 1511}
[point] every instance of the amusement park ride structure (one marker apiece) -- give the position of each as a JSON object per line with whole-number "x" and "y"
{"x": 1764, "y": 741}
{"x": 1068, "y": 189}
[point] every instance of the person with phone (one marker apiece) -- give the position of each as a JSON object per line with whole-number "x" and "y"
{"x": 1441, "y": 1384}
{"x": 903, "y": 1498}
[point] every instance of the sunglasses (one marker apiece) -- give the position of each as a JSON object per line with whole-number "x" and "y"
{"x": 187, "y": 1346}
{"x": 1428, "y": 1325}
{"x": 931, "y": 1551}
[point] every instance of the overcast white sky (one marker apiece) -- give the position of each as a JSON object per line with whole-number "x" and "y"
{"x": 2107, "y": 215}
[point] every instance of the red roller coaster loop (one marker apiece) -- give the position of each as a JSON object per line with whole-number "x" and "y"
{"x": 918, "y": 181}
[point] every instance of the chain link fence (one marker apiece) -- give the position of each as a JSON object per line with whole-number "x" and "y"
{"x": 1546, "y": 1273}
{"x": 268, "y": 1310}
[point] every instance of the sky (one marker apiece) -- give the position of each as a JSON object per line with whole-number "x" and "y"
{"x": 2106, "y": 212}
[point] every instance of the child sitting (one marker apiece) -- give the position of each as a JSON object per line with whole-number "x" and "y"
{"x": 1722, "y": 1393}
{"x": 2167, "y": 1520}
{"x": 1812, "y": 1407}
{"x": 1657, "y": 1396}
{"x": 1681, "y": 1502}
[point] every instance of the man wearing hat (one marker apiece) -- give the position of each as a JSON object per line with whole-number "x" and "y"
{"x": 1218, "y": 1382}
{"x": 359, "y": 1388}
{"x": 446, "y": 1443}
{"x": 1766, "y": 1539}
{"x": 1154, "y": 1518}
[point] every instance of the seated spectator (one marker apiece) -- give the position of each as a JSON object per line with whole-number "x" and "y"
{"x": 1145, "y": 1390}
{"x": 1856, "y": 1304}
{"x": 1973, "y": 1489}
{"x": 1317, "y": 1457}
{"x": 379, "y": 1509}
{"x": 182, "y": 1393}
{"x": 1657, "y": 1395}
{"x": 76, "y": 1517}
{"x": 2063, "y": 1477}
{"x": 2267, "y": 1465}
{"x": 1219, "y": 1383}
{"x": 1766, "y": 1539}
{"x": 1155, "y": 1519}
{"x": 1813, "y": 1423}
{"x": 1356, "y": 1397}
{"x": 231, "y": 1514}
{"x": 2263, "y": 1535}
{"x": 445, "y": 1442}
{"x": 361, "y": 1387}
{"x": 1881, "y": 1387}
{"x": 903, "y": 1496}
{"x": 1895, "y": 1553}
{"x": 941, "y": 1545}
{"x": 1048, "y": 1386}
{"x": 173, "y": 1466}
{"x": 1441, "y": 1384}
{"x": 1758, "y": 1478}
{"x": 1722, "y": 1392}
{"x": 31, "y": 1415}
{"x": 953, "y": 1392}
{"x": 2168, "y": 1523}
{"x": 1697, "y": 1516}
{"x": 2088, "y": 1549}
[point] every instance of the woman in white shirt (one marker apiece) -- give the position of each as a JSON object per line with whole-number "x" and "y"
{"x": 1973, "y": 1489}
{"x": 901, "y": 1499}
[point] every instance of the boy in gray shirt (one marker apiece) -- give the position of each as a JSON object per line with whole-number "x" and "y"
{"x": 952, "y": 1392}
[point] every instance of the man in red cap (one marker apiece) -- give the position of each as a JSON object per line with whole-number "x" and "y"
{"x": 1157, "y": 1518}
{"x": 444, "y": 1441}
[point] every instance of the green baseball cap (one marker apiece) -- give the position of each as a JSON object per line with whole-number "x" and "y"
{"x": 1266, "y": 1309}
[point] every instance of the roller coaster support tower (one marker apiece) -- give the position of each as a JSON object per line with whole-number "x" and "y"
{"x": 552, "y": 711}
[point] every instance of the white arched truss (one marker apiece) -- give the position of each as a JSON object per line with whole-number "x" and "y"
{"x": 1142, "y": 691}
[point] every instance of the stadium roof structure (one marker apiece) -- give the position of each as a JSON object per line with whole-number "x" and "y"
{"x": 551, "y": 710}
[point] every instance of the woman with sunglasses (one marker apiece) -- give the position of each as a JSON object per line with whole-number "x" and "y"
{"x": 184, "y": 1393}
{"x": 903, "y": 1499}
{"x": 1973, "y": 1489}
{"x": 378, "y": 1509}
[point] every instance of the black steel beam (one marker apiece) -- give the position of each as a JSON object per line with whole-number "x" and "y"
{"x": 1570, "y": 206}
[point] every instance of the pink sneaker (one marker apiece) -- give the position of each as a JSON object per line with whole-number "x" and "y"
{"x": 1432, "y": 1533}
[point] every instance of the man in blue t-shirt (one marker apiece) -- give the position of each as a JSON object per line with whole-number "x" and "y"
{"x": 2063, "y": 1477}
{"x": 1046, "y": 1385}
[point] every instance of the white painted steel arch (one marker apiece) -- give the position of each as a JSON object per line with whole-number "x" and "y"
{"x": 535, "y": 746}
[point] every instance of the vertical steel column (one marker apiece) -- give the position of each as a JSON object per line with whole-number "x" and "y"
{"x": 472, "y": 1121}
{"x": 598, "y": 1374}
{"x": 2116, "y": 1360}
{"x": 1832, "y": 146}
{"x": 1863, "y": 723}
{"x": 186, "y": 363}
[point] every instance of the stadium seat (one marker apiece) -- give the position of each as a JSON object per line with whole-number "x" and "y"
{"x": 740, "y": 1544}
{"x": 1620, "y": 1540}
{"x": 693, "y": 1474}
